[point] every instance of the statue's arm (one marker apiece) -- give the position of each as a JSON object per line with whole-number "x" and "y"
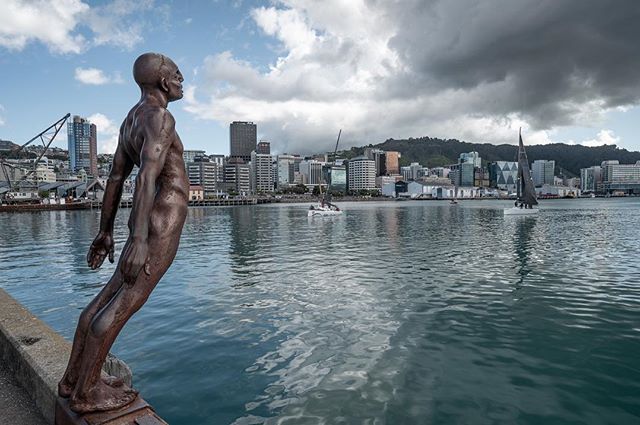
{"x": 103, "y": 244}
{"x": 159, "y": 134}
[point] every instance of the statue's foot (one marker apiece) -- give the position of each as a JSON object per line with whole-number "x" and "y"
{"x": 65, "y": 387}
{"x": 102, "y": 397}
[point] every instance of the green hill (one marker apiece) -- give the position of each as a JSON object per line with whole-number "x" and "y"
{"x": 433, "y": 152}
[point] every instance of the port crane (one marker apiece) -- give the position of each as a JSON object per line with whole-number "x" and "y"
{"x": 46, "y": 137}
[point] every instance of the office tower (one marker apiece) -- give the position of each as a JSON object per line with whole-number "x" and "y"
{"x": 590, "y": 179}
{"x": 237, "y": 176}
{"x": 470, "y": 158}
{"x": 542, "y": 172}
{"x": 242, "y": 140}
{"x": 83, "y": 145}
{"x": 312, "y": 171}
{"x": 284, "y": 170}
{"x": 392, "y": 162}
{"x": 264, "y": 147}
{"x": 262, "y": 172}
{"x": 361, "y": 174}
{"x": 206, "y": 173}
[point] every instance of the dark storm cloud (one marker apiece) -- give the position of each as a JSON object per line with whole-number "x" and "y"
{"x": 554, "y": 56}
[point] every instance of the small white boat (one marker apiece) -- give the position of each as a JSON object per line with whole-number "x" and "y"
{"x": 520, "y": 211}
{"x": 319, "y": 211}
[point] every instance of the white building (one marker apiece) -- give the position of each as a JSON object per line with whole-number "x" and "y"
{"x": 590, "y": 178}
{"x": 361, "y": 174}
{"x": 262, "y": 170}
{"x": 559, "y": 191}
{"x": 209, "y": 175}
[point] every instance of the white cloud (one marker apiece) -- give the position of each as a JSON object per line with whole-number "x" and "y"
{"x": 52, "y": 22}
{"x": 108, "y": 132}
{"x": 1, "y": 117}
{"x": 372, "y": 69}
{"x": 72, "y": 26}
{"x": 604, "y": 137}
{"x": 95, "y": 76}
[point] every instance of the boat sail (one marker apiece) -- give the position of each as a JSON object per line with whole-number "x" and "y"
{"x": 526, "y": 191}
{"x": 326, "y": 207}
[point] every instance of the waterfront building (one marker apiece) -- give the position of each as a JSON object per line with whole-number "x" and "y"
{"x": 462, "y": 174}
{"x": 542, "y": 172}
{"x": 284, "y": 170}
{"x": 558, "y": 191}
{"x": 189, "y": 155}
{"x": 591, "y": 179}
{"x": 237, "y": 176}
{"x": 379, "y": 157}
{"x": 504, "y": 175}
{"x": 392, "y": 162}
{"x": 264, "y": 147}
{"x": 312, "y": 172}
{"x": 412, "y": 172}
{"x": 336, "y": 176}
{"x": 243, "y": 137}
{"x": 470, "y": 158}
{"x": 207, "y": 174}
{"x": 624, "y": 178}
{"x": 361, "y": 174}
{"x": 440, "y": 171}
{"x": 262, "y": 172}
{"x": 196, "y": 193}
{"x": 83, "y": 145}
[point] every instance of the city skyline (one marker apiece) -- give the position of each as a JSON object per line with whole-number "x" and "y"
{"x": 301, "y": 71}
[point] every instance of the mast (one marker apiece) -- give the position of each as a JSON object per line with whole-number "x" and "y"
{"x": 526, "y": 190}
{"x": 327, "y": 195}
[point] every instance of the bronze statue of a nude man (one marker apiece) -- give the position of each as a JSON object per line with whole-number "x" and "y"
{"x": 149, "y": 140}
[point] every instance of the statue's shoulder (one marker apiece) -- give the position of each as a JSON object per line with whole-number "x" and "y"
{"x": 159, "y": 119}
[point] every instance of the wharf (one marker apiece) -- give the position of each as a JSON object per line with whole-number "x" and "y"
{"x": 16, "y": 407}
{"x": 85, "y": 205}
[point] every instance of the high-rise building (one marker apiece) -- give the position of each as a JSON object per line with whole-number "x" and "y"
{"x": 83, "y": 145}
{"x": 284, "y": 170}
{"x": 392, "y": 162}
{"x": 542, "y": 172}
{"x": 361, "y": 174}
{"x": 263, "y": 147}
{"x": 312, "y": 172}
{"x": 237, "y": 176}
{"x": 242, "y": 139}
{"x": 590, "y": 179}
{"x": 189, "y": 155}
{"x": 205, "y": 173}
{"x": 471, "y": 158}
{"x": 262, "y": 170}
{"x": 336, "y": 176}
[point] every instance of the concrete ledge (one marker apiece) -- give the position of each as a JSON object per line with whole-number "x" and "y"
{"x": 37, "y": 356}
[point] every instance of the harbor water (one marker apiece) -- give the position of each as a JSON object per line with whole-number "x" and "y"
{"x": 392, "y": 313}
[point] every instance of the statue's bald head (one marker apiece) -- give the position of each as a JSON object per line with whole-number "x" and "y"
{"x": 150, "y": 68}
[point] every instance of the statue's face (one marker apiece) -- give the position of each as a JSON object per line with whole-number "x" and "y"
{"x": 174, "y": 83}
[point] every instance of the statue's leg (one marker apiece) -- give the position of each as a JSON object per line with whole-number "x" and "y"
{"x": 90, "y": 393}
{"x": 70, "y": 377}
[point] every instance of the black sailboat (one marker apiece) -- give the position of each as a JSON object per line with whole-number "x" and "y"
{"x": 526, "y": 190}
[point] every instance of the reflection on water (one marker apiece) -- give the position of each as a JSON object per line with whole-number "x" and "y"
{"x": 396, "y": 313}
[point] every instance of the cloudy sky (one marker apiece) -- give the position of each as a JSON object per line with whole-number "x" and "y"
{"x": 475, "y": 70}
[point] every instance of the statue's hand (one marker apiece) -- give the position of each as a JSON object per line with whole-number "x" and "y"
{"x": 101, "y": 247}
{"x": 134, "y": 258}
